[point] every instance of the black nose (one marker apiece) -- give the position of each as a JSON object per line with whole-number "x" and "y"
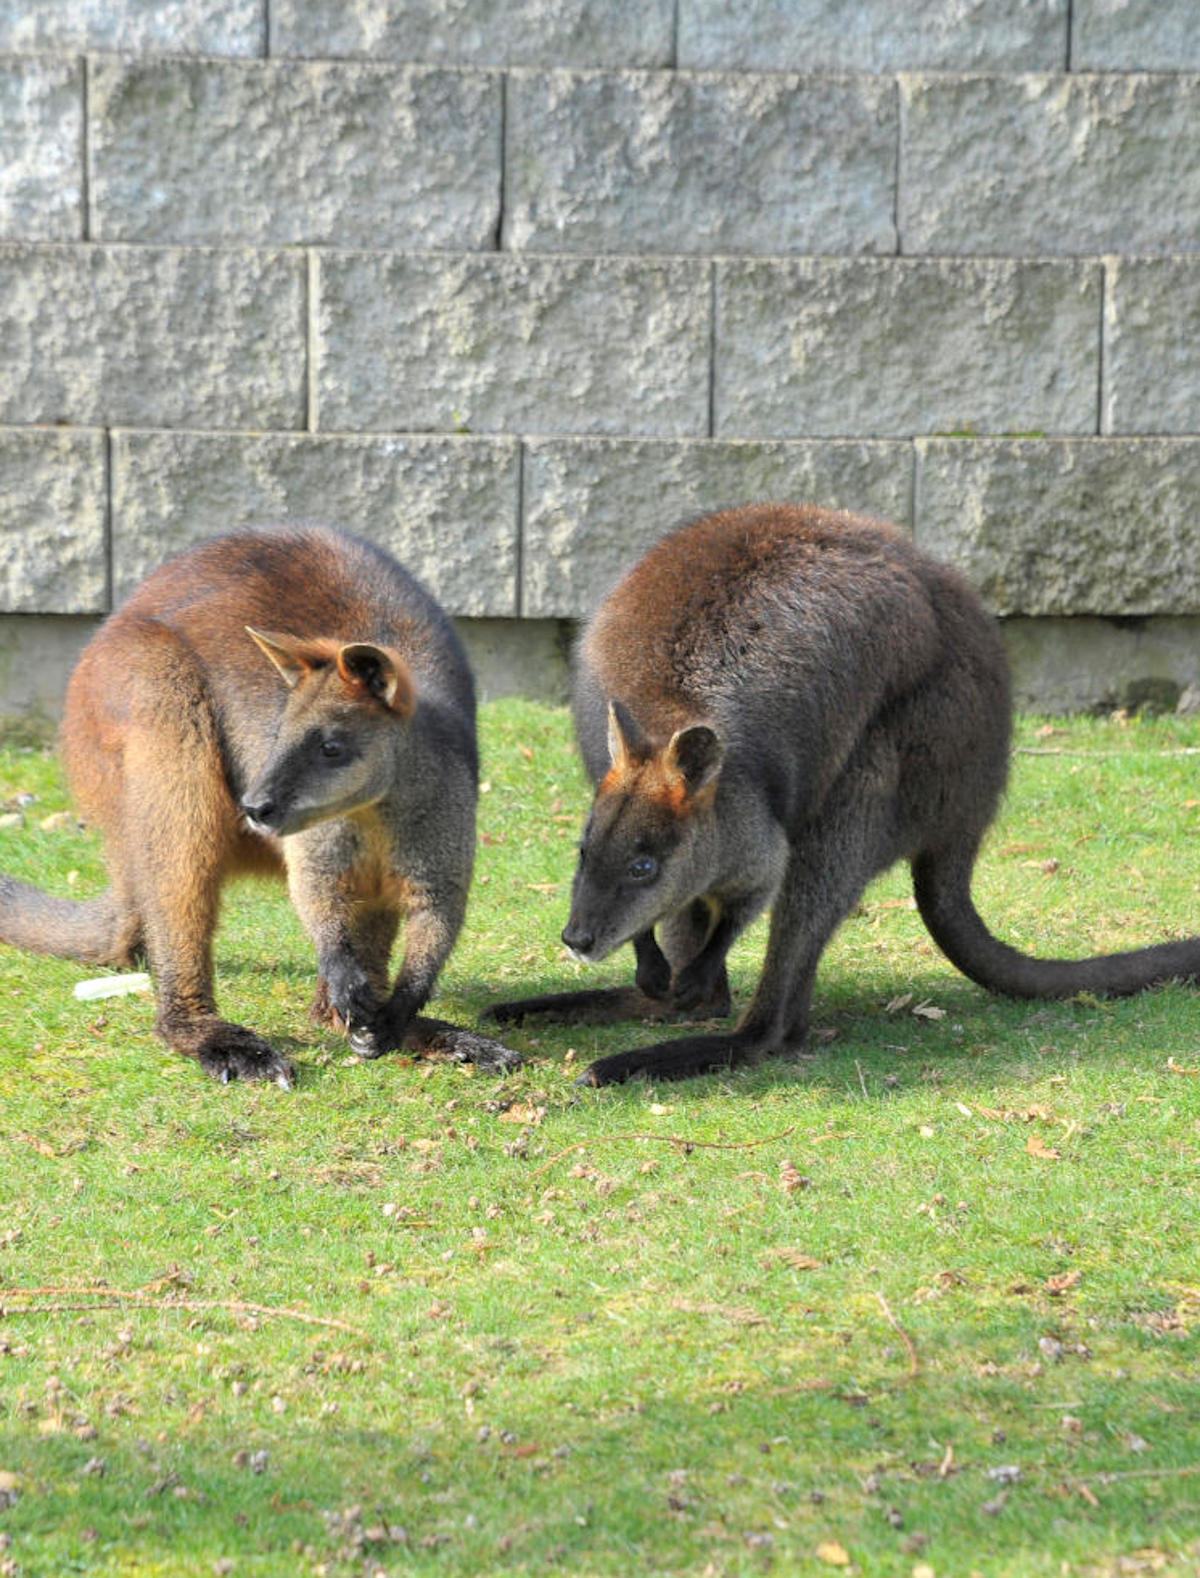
{"x": 578, "y": 940}
{"x": 260, "y": 812}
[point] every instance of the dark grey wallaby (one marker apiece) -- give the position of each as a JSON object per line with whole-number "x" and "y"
{"x": 776, "y": 704}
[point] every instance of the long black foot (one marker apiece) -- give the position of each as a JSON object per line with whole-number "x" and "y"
{"x": 464, "y": 1046}
{"x": 682, "y": 1059}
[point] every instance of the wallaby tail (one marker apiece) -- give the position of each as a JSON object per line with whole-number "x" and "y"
{"x": 942, "y": 883}
{"x": 87, "y": 929}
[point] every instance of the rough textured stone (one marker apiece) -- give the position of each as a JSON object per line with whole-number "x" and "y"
{"x": 1096, "y": 665}
{"x": 593, "y": 506}
{"x": 37, "y": 654}
{"x": 136, "y": 335}
{"x": 357, "y": 155}
{"x": 896, "y": 346}
{"x": 1043, "y": 164}
{"x": 478, "y": 32}
{"x": 502, "y": 344}
{"x": 209, "y": 27}
{"x": 1068, "y": 526}
{"x": 1152, "y": 346}
{"x": 873, "y": 35}
{"x": 519, "y": 657}
{"x": 446, "y": 507}
{"x": 41, "y": 149}
{"x": 52, "y": 521}
{"x": 675, "y": 162}
{"x": 1134, "y": 35}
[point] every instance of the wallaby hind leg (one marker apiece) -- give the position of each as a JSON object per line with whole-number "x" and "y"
{"x": 177, "y": 827}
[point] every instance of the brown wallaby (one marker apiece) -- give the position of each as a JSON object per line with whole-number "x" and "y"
{"x": 775, "y": 704}
{"x": 348, "y": 761}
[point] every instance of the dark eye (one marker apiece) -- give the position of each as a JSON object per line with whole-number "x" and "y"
{"x": 643, "y": 868}
{"x": 331, "y": 749}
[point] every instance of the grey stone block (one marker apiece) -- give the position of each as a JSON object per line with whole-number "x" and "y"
{"x": 1068, "y": 526}
{"x": 208, "y": 27}
{"x": 137, "y": 336}
{"x": 675, "y": 162}
{"x": 53, "y": 516}
{"x": 41, "y": 149}
{"x": 593, "y": 506}
{"x": 356, "y": 155}
{"x": 506, "y": 344}
{"x": 873, "y": 35}
{"x": 37, "y": 654}
{"x": 446, "y": 507}
{"x": 1094, "y": 665}
{"x": 1134, "y": 35}
{"x": 897, "y": 346}
{"x": 1049, "y": 164}
{"x": 1152, "y": 346}
{"x": 517, "y": 657}
{"x": 478, "y": 32}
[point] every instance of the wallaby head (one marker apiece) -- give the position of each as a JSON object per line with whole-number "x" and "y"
{"x": 334, "y": 751}
{"x": 647, "y": 846}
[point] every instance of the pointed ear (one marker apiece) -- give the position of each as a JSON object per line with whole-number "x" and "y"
{"x": 626, "y": 742}
{"x": 293, "y": 657}
{"x": 695, "y": 755}
{"x": 381, "y": 672}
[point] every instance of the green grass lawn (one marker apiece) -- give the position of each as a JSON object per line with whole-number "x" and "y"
{"x": 922, "y": 1301}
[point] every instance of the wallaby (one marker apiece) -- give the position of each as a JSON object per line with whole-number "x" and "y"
{"x": 776, "y": 704}
{"x": 289, "y": 701}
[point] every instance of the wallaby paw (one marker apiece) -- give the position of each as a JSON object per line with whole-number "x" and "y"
{"x": 371, "y": 1041}
{"x": 462, "y": 1045}
{"x": 231, "y": 1052}
{"x": 653, "y": 976}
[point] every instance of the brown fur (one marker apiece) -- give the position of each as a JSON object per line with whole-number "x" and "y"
{"x": 776, "y": 704}
{"x": 340, "y": 753}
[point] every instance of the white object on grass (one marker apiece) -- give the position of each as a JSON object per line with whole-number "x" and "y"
{"x": 112, "y": 986}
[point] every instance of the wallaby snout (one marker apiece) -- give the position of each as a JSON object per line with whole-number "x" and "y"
{"x": 579, "y": 939}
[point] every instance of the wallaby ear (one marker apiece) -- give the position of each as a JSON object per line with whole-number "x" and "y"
{"x": 695, "y": 755}
{"x": 381, "y": 672}
{"x": 626, "y": 742}
{"x": 293, "y": 657}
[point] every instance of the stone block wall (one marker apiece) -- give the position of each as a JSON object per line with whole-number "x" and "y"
{"x": 512, "y": 286}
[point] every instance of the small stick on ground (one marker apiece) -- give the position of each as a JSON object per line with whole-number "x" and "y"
{"x": 914, "y": 1363}
{"x": 67, "y": 1299}
{"x": 678, "y": 1140}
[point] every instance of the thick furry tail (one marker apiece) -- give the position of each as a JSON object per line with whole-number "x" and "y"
{"x": 942, "y": 883}
{"x": 87, "y": 929}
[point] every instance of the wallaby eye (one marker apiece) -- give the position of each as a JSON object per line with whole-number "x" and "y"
{"x": 332, "y": 749}
{"x": 643, "y": 868}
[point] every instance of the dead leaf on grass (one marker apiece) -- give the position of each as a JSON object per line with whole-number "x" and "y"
{"x": 796, "y": 1258}
{"x": 833, "y": 1554}
{"x": 1035, "y": 1145}
{"x": 523, "y": 1112}
{"x": 927, "y": 1010}
{"x": 1062, "y": 1281}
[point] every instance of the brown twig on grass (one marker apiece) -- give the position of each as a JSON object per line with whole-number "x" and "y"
{"x": 914, "y": 1363}
{"x": 678, "y": 1140}
{"x": 67, "y": 1299}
